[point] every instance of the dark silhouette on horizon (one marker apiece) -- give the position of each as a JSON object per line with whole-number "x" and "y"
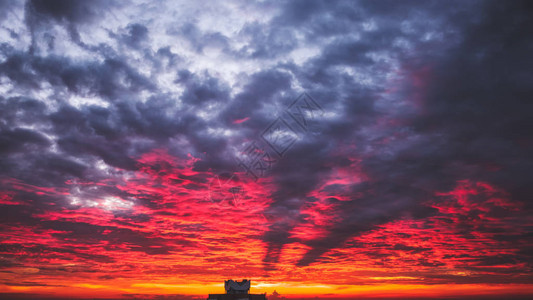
{"x": 237, "y": 290}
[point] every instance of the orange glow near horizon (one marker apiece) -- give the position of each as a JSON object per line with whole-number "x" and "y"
{"x": 117, "y": 289}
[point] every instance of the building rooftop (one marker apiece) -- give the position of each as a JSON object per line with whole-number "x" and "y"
{"x": 237, "y": 290}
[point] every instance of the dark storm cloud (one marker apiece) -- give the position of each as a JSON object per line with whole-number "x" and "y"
{"x": 476, "y": 115}
{"x": 487, "y": 112}
{"x": 16, "y": 139}
{"x": 40, "y": 15}
{"x": 109, "y": 79}
{"x": 261, "y": 90}
{"x": 82, "y": 133}
{"x": 110, "y": 153}
{"x": 257, "y": 93}
{"x": 200, "y": 89}
{"x": 62, "y": 10}
{"x": 137, "y": 33}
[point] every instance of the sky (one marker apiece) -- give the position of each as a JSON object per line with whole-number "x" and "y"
{"x": 330, "y": 149}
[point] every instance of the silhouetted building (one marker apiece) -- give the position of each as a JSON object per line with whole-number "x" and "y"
{"x": 237, "y": 290}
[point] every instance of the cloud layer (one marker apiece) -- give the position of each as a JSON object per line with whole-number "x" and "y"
{"x": 122, "y": 125}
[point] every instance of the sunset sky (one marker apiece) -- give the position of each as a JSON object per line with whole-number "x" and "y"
{"x": 330, "y": 149}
